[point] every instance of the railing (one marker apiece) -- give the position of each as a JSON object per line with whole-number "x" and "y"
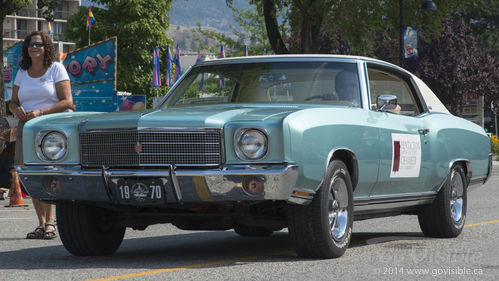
{"x": 25, "y": 12}
{"x": 62, "y": 14}
{"x": 9, "y": 33}
{"x": 58, "y": 37}
{"x": 37, "y": 13}
{"x": 22, "y": 33}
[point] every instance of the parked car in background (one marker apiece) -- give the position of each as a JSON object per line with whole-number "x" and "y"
{"x": 258, "y": 144}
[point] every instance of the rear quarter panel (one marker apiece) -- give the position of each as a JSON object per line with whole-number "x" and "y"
{"x": 454, "y": 138}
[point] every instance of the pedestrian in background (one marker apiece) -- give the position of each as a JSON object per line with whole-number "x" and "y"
{"x": 41, "y": 87}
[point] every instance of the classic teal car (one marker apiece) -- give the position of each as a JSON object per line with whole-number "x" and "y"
{"x": 258, "y": 144}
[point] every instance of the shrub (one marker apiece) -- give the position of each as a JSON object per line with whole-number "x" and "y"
{"x": 494, "y": 144}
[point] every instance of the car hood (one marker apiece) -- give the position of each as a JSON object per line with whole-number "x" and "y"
{"x": 188, "y": 117}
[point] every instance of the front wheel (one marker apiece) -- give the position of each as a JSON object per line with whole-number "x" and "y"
{"x": 84, "y": 231}
{"x": 323, "y": 229}
{"x": 445, "y": 217}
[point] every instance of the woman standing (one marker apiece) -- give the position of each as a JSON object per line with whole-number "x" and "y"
{"x": 41, "y": 87}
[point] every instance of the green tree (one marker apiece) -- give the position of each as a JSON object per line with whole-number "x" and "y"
{"x": 332, "y": 26}
{"x": 50, "y": 6}
{"x": 140, "y": 26}
{"x": 253, "y": 32}
{"x": 483, "y": 17}
{"x": 7, "y": 7}
{"x": 456, "y": 68}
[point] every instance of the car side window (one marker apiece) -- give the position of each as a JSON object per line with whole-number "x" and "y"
{"x": 385, "y": 83}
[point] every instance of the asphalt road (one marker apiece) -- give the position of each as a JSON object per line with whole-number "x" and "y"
{"x": 382, "y": 249}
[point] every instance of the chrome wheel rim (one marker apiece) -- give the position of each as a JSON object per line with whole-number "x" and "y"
{"x": 456, "y": 197}
{"x": 338, "y": 203}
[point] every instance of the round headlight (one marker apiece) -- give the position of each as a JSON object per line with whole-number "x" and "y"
{"x": 251, "y": 144}
{"x": 54, "y": 146}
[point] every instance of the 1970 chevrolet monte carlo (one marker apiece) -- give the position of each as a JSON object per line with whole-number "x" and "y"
{"x": 258, "y": 144}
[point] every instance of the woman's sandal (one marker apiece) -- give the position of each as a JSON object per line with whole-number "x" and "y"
{"x": 49, "y": 234}
{"x": 38, "y": 233}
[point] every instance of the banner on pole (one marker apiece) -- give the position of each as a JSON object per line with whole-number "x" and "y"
{"x": 13, "y": 56}
{"x": 92, "y": 71}
{"x": 410, "y": 42}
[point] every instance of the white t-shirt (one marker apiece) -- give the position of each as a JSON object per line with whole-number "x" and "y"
{"x": 39, "y": 93}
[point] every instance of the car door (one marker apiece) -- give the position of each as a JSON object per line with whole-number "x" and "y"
{"x": 403, "y": 143}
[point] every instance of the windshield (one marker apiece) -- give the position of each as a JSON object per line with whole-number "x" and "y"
{"x": 271, "y": 82}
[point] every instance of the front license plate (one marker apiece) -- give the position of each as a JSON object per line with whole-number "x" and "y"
{"x": 141, "y": 191}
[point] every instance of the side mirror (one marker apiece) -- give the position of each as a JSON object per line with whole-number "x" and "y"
{"x": 387, "y": 102}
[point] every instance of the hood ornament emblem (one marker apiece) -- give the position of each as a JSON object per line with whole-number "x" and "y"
{"x": 138, "y": 147}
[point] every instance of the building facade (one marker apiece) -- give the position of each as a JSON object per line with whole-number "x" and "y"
{"x": 26, "y": 20}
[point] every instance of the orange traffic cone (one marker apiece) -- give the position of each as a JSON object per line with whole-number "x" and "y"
{"x": 16, "y": 199}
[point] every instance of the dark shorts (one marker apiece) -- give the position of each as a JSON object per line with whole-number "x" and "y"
{"x": 18, "y": 160}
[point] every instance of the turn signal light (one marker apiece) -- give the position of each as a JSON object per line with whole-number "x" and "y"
{"x": 301, "y": 193}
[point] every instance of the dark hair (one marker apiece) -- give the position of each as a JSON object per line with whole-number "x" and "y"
{"x": 49, "y": 54}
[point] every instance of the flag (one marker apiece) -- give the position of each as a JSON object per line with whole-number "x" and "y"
{"x": 62, "y": 55}
{"x": 222, "y": 52}
{"x": 198, "y": 60}
{"x": 90, "y": 18}
{"x": 245, "y": 50}
{"x": 156, "y": 79}
{"x": 264, "y": 52}
{"x": 178, "y": 67}
{"x": 50, "y": 29}
{"x": 222, "y": 55}
{"x": 168, "y": 80}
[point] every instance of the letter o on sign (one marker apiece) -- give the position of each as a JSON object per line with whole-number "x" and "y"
{"x": 74, "y": 68}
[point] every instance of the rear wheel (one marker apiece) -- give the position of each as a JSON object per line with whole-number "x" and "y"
{"x": 84, "y": 231}
{"x": 445, "y": 217}
{"x": 323, "y": 229}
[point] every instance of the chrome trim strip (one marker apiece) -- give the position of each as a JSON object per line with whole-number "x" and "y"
{"x": 383, "y": 199}
{"x": 224, "y": 170}
{"x": 468, "y": 167}
{"x": 105, "y": 179}
{"x": 361, "y": 66}
{"x": 393, "y": 202}
{"x": 169, "y": 129}
{"x": 329, "y": 158}
{"x": 185, "y": 186}
{"x": 45, "y": 164}
{"x": 489, "y": 172}
{"x": 175, "y": 185}
{"x": 173, "y": 88}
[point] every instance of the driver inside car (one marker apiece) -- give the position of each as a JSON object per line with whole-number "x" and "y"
{"x": 347, "y": 87}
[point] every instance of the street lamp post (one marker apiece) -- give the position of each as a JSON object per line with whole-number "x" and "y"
{"x": 427, "y": 5}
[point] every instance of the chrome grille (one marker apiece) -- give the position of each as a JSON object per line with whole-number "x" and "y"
{"x": 151, "y": 148}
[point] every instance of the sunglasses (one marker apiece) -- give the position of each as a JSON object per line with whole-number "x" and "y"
{"x": 37, "y": 44}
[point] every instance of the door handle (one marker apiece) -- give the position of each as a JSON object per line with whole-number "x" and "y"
{"x": 423, "y": 131}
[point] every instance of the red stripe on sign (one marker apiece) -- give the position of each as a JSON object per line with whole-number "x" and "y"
{"x": 396, "y": 156}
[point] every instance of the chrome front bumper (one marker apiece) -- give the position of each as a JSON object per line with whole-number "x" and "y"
{"x": 52, "y": 183}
